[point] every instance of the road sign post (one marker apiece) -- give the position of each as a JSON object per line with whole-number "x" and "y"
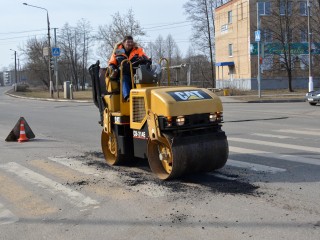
{"x": 56, "y": 52}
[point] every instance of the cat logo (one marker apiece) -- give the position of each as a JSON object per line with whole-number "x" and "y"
{"x": 189, "y": 95}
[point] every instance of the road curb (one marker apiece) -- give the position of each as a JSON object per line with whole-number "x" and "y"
{"x": 232, "y": 100}
{"x": 48, "y": 99}
{"x": 276, "y": 101}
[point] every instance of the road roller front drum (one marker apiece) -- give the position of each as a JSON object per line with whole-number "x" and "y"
{"x": 179, "y": 155}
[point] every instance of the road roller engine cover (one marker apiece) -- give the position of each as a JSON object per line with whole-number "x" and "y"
{"x": 177, "y": 128}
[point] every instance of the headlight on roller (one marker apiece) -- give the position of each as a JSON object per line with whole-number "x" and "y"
{"x": 180, "y": 120}
{"x": 169, "y": 121}
{"x": 216, "y": 117}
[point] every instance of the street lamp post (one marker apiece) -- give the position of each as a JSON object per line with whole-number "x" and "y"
{"x": 310, "y": 85}
{"x": 15, "y": 65}
{"x": 49, "y": 48}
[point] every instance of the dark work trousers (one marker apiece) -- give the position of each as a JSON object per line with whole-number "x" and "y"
{"x": 126, "y": 86}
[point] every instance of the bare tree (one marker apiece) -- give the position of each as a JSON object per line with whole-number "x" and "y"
{"x": 120, "y": 26}
{"x": 284, "y": 25}
{"x": 84, "y": 29}
{"x": 315, "y": 29}
{"x": 200, "y": 13}
{"x": 69, "y": 40}
{"x": 200, "y": 68}
{"x": 173, "y": 52}
{"x": 37, "y": 64}
{"x": 160, "y": 48}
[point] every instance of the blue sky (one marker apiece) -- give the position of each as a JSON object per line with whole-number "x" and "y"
{"x": 19, "y": 22}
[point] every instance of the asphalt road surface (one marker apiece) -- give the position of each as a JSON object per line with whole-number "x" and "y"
{"x": 57, "y": 186}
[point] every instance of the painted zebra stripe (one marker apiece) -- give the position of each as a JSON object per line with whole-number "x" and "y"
{"x": 6, "y": 217}
{"x": 275, "y": 144}
{"x": 272, "y": 136}
{"x": 76, "y": 165}
{"x": 66, "y": 193}
{"x": 290, "y": 158}
{"x": 254, "y": 166}
{"x": 303, "y": 132}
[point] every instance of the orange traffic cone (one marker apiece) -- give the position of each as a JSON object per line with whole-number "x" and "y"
{"x": 23, "y": 137}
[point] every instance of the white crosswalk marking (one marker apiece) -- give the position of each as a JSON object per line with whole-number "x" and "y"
{"x": 6, "y": 217}
{"x": 254, "y": 166}
{"x": 272, "y": 136}
{"x": 75, "y": 165}
{"x": 275, "y": 144}
{"x": 303, "y": 132}
{"x": 68, "y": 194}
{"x": 291, "y": 158}
{"x": 218, "y": 175}
{"x": 113, "y": 177}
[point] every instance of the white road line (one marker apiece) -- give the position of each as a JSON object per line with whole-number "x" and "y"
{"x": 68, "y": 194}
{"x": 291, "y": 158}
{"x": 218, "y": 175}
{"x": 75, "y": 165}
{"x": 113, "y": 177}
{"x": 272, "y": 136}
{"x": 254, "y": 166}
{"x": 6, "y": 217}
{"x": 275, "y": 144}
{"x": 304, "y": 132}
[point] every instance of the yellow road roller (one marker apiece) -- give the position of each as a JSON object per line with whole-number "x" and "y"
{"x": 178, "y": 129}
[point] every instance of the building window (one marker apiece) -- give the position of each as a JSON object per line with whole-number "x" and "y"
{"x": 267, "y": 63}
{"x": 264, "y": 8}
{"x": 230, "y": 50}
{"x": 267, "y": 35}
{"x": 304, "y": 61}
{"x": 240, "y": 11}
{"x": 229, "y": 17}
{"x": 303, "y": 35}
{"x": 224, "y": 28}
{"x": 287, "y": 36}
{"x": 303, "y": 8}
{"x": 285, "y": 8}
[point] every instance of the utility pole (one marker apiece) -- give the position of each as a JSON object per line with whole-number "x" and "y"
{"x": 210, "y": 45}
{"x": 15, "y": 66}
{"x": 56, "y": 63}
{"x": 258, "y": 42}
{"x": 83, "y": 59}
{"x": 19, "y": 73}
{"x": 310, "y": 84}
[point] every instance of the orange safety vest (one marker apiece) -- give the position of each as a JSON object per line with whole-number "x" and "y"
{"x": 119, "y": 55}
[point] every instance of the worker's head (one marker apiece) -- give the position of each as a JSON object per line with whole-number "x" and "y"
{"x": 128, "y": 43}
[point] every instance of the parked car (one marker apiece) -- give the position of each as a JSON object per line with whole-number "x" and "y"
{"x": 313, "y": 97}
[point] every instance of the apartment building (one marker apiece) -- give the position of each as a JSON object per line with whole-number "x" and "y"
{"x": 237, "y": 49}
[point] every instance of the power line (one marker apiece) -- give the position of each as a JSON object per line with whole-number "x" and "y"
{"x": 2, "y": 39}
{"x": 38, "y": 30}
{"x": 165, "y": 25}
{"x": 152, "y": 30}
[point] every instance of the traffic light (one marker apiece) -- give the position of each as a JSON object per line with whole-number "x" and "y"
{"x": 52, "y": 63}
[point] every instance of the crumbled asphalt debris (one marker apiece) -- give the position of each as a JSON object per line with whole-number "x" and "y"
{"x": 93, "y": 154}
{"x": 193, "y": 184}
{"x": 178, "y": 218}
{"x": 78, "y": 183}
{"x": 98, "y": 164}
{"x": 219, "y": 185}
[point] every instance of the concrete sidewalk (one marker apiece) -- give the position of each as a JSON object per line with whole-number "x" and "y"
{"x": 279, "y": 98}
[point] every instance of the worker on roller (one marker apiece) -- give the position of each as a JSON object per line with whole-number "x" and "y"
{"x": 127, "y": 49}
